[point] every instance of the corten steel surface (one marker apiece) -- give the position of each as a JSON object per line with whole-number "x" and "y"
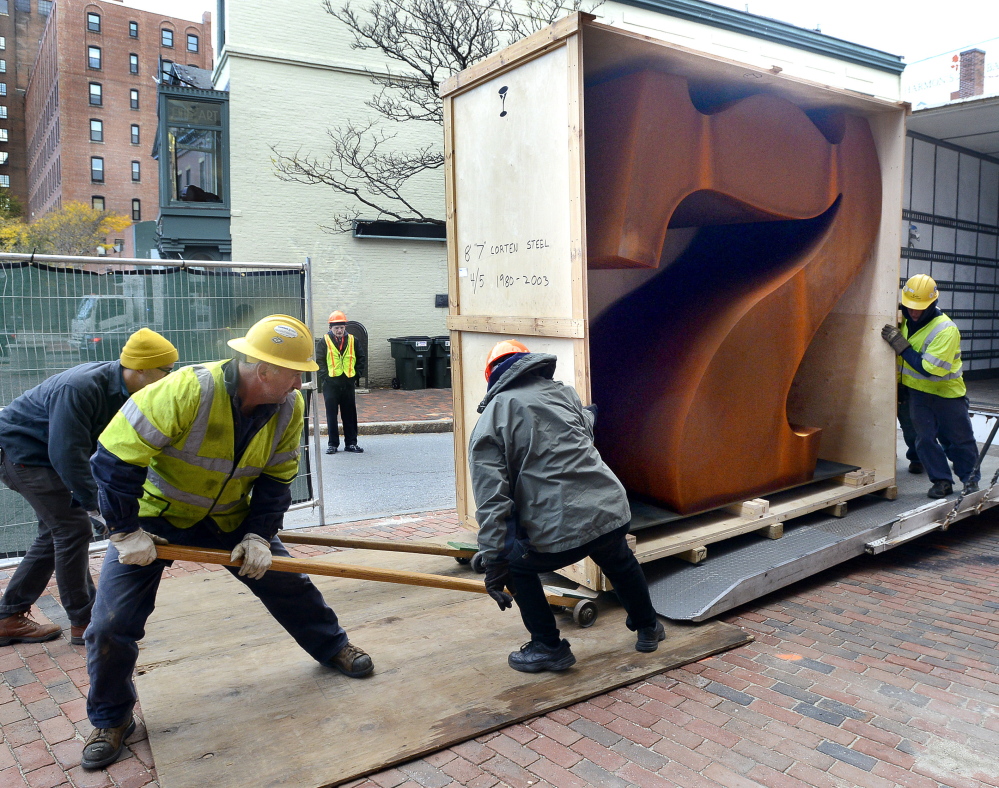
{"x": 692, "y": 370}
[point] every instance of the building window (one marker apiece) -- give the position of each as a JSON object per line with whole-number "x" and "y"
{"x": 3, "y": 88}
{"x": 5, "y": 181}
{"x": 3, "y": 66}
{"x": 133, "y": 29}
{"x": 194, "y": 145}
{"x": 192, "y": 42}
{"x": 44, "y": 7}
{"x": 94, "y": 57}
{"x": 97, "y": 169}
{"x": 4, "y": 7}
{"x": 97, "y": 203}
{"x": 96, "y": 94}
{"x": 136, "y": 210}
{"x": 3, "y": 135}
{"x": 22, "y": 5}
{"x": 133, "y": 98}
{"x": 3, "y": 42}
{"x": 166, "y": 37}
{"x": 136, "y": 176}
{"x": 3, "y": 111}
{"x": 96, "y": 130}
{"x": 165, "y": 66}
{"x": 4, "y": 156}
{"x": 93, "y": 23}
{"x": 133, "y": 63}
{"x": 135, "y": 133}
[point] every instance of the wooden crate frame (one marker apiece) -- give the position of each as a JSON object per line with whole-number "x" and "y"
{"x": 511, "y": 184}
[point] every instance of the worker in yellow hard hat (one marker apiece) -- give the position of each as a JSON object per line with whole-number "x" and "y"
{"x": 47, "y": 435}
{"x": 928, "y": 346}
{"x": 342, "y": 361}
{"x": 544, "y": 500}
{"x": 206, "y": 459}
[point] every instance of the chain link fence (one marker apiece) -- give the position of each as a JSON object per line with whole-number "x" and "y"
{"x": 57, "y": 312}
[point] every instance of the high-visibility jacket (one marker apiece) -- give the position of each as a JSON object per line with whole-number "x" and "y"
{"x": 341, "y": 363}
{"x": 939, "y": 345}
{"x": 182, "y": 430}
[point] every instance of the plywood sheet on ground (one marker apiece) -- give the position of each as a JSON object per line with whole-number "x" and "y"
{"x": 230, "y": 699}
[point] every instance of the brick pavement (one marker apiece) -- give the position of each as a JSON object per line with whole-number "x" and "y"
{"x": 381, "y": 405}
{"x": 880, "y": 672}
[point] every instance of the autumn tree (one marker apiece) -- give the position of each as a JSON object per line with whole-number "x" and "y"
{"x": 430, "y": 40}
{"x": 75, "y": 229}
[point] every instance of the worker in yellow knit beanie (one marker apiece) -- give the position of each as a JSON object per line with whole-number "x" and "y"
{"x": 146, "y": 349}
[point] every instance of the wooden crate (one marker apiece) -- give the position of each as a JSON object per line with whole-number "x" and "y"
{"x": 517, "y": 258}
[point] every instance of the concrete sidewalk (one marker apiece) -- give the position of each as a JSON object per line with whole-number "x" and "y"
{"x": 880, "y": 672}
{"x": 384, "y": 411}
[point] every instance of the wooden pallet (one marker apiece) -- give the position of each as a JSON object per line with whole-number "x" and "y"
{"x": 688, "y": 539}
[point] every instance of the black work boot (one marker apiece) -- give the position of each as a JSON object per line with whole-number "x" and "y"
{"x": 915, "y": 467}
{"x": 352, "y": 661}
{"x": 104, "y": 745}
{"x": 940, "y": 490}
{"x": 649, "y": 637}
{"x": 535, "y": 657}
{"x": 331, "y": 449}
{"x": 354, "y": 448}
{"x": 970, "y": 488}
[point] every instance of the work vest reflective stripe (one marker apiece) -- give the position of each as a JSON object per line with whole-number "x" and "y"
{"x": 945, "y": 360}
{"x": 906, "y": 372}
{"x": 145, "y": 428}
{"x": 338, "y": 364}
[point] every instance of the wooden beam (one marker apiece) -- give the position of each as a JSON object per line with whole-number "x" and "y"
{"x": 392, "y": 545}
{"x": 693, "y": 556}
{"x": 774, "y": 531}
{"x": 757, "y": 507}
{"x": 857, "y": 478}
{"x": 837, "y": 510}
{"x": 571, "y": 328}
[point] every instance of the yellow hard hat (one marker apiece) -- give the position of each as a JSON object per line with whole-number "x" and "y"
{"x": 281, "y": 340}
{"x": 919, "y": 292}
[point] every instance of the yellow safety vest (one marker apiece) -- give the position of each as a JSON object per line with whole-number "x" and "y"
{"x": 939, "y": 344}
{"x": 181, "y": 429}
{"x": 339, "y": 364}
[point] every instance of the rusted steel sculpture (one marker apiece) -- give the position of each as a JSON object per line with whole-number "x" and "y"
{"x": 692, "y": 370}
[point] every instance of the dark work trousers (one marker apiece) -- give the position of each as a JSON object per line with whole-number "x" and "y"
{"x": 64, "y": 534}
{"x": 945, "y": 418}
{"x": 339, "y": 394}
{"x": 610, "y": 552}
{"x": 126, "y": 596}
{"x": 905, "y": 422}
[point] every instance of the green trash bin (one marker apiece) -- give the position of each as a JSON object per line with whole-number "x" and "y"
{"x": 412, "y": 361}
{"x": 440, "y": 368}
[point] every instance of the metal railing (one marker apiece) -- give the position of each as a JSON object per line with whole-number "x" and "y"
{"x": 59, "y": 311}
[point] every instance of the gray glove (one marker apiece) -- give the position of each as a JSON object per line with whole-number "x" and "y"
{"x": 893, "y": 337}
{"x": 98, "y": 523}
{"x": 255, "y": 553}
{"x": 137, "y": 548}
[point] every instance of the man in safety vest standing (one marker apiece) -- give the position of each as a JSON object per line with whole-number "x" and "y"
{"x": 929, "y": 349}
{"x": 341, "y": 363}
{"x": 46, "y": 438}
{"x": 204, "y": 459}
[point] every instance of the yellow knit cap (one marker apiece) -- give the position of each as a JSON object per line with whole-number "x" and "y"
{"x": 146, "y": 349}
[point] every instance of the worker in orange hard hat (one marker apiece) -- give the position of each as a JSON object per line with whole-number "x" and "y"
{"x": 544, "y": 500}
{"x": 928, "y": 347}
{"x": 341, "y": 362}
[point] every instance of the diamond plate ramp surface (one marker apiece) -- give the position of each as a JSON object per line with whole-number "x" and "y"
{"x": 747, "y": 567}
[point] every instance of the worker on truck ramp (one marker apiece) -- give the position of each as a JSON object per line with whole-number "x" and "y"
{"x": 46, "y": 438}
{"x": 204, "y": 459}
{"x": 545, "y": 499}
{"x": 928, "y": 347}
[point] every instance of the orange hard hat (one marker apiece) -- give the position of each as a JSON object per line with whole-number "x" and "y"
{"x": 338, "y": 317}
{"x": 501, "y": 350}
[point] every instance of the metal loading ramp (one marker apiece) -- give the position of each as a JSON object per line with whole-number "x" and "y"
{"x": 747, "y": 567}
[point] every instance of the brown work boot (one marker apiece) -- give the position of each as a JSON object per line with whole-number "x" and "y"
{"x": 104, "y": 745}
{"x": 20, "y": 628}
{"x": 352, "y": 661}
{"x": 76, "y": 634}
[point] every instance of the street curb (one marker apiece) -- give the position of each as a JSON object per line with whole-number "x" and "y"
{"x": 400, "y": 427}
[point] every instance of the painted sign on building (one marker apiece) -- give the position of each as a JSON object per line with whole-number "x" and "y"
{"x": 971, "y": 72}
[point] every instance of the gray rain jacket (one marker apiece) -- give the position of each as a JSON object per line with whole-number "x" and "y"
{"x": 536, "y": 475}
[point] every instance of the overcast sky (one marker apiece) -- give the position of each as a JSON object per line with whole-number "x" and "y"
{"x": 915, "y": 29}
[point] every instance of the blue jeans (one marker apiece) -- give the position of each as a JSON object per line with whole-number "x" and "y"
{"x": 126, "y": 596}
{"x": 610, "y": 552}
{"x": 945, "y": 419}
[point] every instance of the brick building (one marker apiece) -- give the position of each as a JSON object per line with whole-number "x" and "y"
{"x": 22, "y": 23}
{"x": 90, "y": 104}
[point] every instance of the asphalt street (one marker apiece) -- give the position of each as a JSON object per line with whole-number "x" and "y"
{"x": 397, "y": 474}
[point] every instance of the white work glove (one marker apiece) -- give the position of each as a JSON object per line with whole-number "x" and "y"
{"x": 256, "y": 554}
{"x": 97, "y": 522}
{"x": 136, "y": 547}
